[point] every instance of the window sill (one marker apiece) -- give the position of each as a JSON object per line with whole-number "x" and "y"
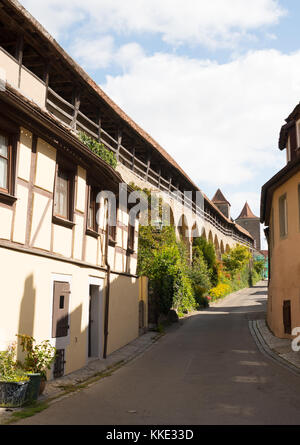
{"x": 7, "y": 199}
{"x": 112, "y": 242}
{"x": 62, "y": 222}
{"x": 92, "y": 233}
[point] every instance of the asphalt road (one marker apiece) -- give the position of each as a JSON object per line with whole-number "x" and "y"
{"x": 207, "y": 371}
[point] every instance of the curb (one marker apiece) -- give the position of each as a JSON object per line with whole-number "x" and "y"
{"x": 87, "y": 382}
{"x": 267, "y": 351}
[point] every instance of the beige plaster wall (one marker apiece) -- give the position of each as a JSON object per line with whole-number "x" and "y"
{"x": 285, "y": 260}
{"x": 123, "y": 311}
{"x": 10, "y": 67}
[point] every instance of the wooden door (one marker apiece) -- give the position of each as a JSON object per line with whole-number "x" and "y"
{"x": 287, "y": 322}
{"x": 60, "y": 320}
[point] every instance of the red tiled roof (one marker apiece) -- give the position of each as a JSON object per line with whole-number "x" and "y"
{"x": 219, "y": 198}
{"x": 246, "y": 212}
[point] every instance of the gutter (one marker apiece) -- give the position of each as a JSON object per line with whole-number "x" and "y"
{"x": 107, "y": 293}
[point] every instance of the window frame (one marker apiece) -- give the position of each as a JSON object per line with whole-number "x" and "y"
{"x": 70, "y": 172}
{"x": 131, "y": 236}
{"x": 112, "y": 229}
{"x": 92, "y": 193}
{"x": 7, "y": 195}
{"x": 283, "y": 235}
{"x": 298, "y": 133}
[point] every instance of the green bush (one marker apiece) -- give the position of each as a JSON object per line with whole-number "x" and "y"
{"x": 99, "y": 149}
{"x": 9, "y": 370}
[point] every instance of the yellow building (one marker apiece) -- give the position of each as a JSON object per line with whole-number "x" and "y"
{"x": 66, "y": 275}
{"x": 280, "y": 212}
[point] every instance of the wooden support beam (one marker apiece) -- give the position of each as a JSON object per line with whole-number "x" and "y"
{"x": 159, "y": 177}
{"x": 19, "y": 55}
{"x": 46, "y": 80}
{"x": 119, "y": 140}
{"x": 76, "y": 107}
{"x": 148, "y": 168}
{"x": 99, "y": 125}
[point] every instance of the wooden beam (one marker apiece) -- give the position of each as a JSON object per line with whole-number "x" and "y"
{"x": 119, "y": 140}
{"x": 46, "y": 80}
{"x": 19, "y": 55}
{"x": 76, "y": 107}
{"x": 148, "y": 167}
{"x": 133, "y": 158}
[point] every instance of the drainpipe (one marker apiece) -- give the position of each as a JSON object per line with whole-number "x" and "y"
{"x": 107, "y": 294}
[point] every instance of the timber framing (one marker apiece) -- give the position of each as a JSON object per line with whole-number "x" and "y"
{"x": 74, "y": 102}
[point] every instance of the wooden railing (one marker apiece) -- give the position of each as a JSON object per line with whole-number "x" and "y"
{"x": 65, "y": 112}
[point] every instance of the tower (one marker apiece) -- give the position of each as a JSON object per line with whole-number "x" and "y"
{"x": 251, "y": 223}
{"x": 221, "y": 202}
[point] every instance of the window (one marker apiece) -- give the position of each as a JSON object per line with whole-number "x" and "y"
{"x": 92, "y": 210}
{"x": 288, "y": 150}
{"x": 63, "y": 196}
{"x": 4, "y": 162}
{"x": 112, "y": 226}
{"x": 283, "y": 225}
{"x": 298, "y": 134}
{"x": 131, "y": 234}
{"x": 7, "y": 167}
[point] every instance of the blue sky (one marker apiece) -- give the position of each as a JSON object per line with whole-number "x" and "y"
{"x": 211, "y": 81}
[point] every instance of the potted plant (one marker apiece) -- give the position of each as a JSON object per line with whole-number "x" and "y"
{"x": 13, "y": 380}
{"x": 38, "y": 360}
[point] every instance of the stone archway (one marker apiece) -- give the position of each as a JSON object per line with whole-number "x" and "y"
{"x": 184, "y": 233}
{"x": 217, "y": 247}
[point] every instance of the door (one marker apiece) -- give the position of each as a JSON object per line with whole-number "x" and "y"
{"x": 60, "y": 318}
{"x": 94, "y": 323}
{"x": 287, "y": 322}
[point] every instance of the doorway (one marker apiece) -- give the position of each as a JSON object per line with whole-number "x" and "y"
{"x": 95, "y": 322}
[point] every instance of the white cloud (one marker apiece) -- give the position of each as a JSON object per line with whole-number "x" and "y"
{"x": 219, "y": 121}
{"x": 94, "y": 54}
{"x": 213, "y": 22}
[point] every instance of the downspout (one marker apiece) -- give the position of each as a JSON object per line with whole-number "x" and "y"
{"x": 107, "y": 293}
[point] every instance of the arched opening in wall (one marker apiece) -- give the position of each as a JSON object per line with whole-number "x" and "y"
{"x": 183, "y": 230}
{"x": 167, "y": 215}
{"x": 217, "y": 247}
{"x": 227, "y": 249}
{"x": 196, "y": 233}
{"x": 210, "y": 237}
{"x": 203, "y": 234}
{"x": 222, "y": 248}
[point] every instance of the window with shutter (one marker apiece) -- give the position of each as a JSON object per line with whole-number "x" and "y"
{"x": 60, "y": 320}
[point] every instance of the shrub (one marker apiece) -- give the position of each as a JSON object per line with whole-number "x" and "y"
{"x": 9, "y": 370}
{"x": 38, "y": 357}
{"x": 221, "y": 290}
{"x": 98, "y": 149}
{"x": 236, "y": 259}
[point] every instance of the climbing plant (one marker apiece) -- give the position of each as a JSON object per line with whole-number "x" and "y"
{"x": 98, "y": 149}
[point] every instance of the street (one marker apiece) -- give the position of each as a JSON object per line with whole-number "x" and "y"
{"x": 207, "y": 371}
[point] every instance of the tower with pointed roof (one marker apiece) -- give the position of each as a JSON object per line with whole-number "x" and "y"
{"x": 250, "y": 222}
{"x": 221, "y": 202}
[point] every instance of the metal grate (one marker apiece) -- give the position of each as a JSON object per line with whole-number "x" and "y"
{"x": 59, "y": 364}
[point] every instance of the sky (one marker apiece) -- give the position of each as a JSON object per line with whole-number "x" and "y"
{"x": 211, "y": 81}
